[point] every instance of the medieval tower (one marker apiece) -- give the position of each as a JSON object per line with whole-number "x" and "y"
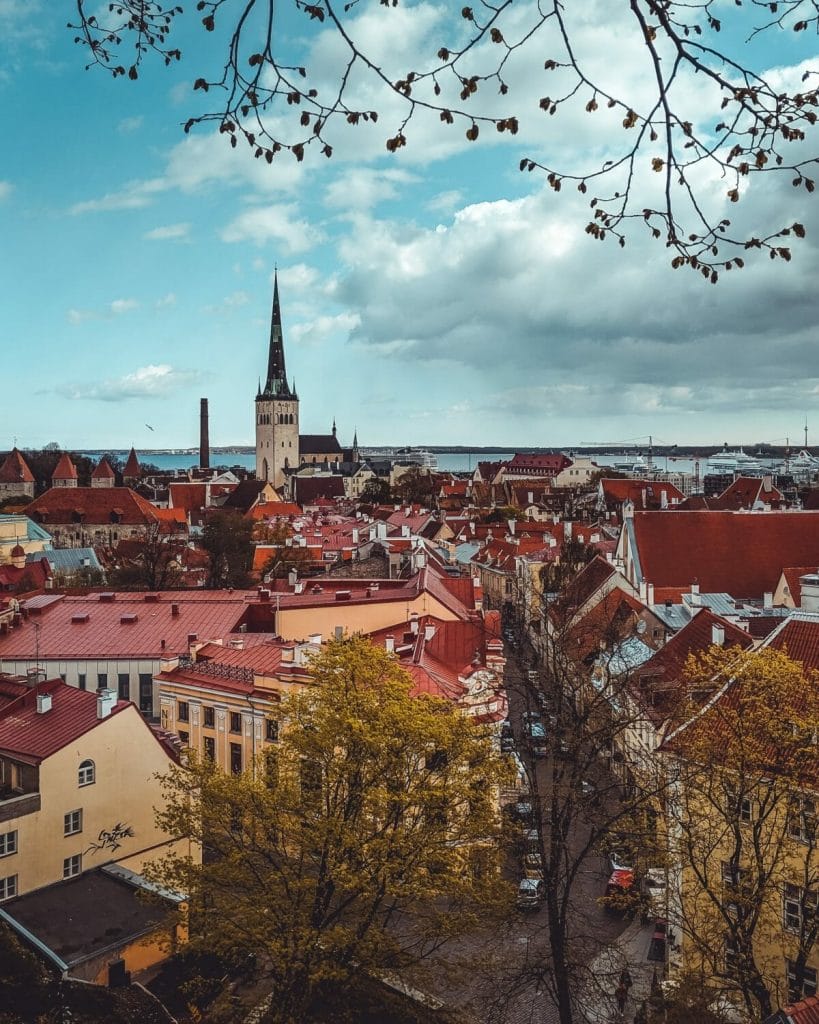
{"x": 277, "y": 410}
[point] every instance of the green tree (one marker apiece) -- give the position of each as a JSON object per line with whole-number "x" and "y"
{"x": 376, "y": 492}
{"x": 662, "y": 144}
{"x": 415, "y": 486}
{"x": 285, "y": 556}
{"x": 228, "y": 540}
{"x": 366, "y": 838}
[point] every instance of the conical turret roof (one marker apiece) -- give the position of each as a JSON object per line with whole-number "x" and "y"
{"x": 65, "y": 468}
{"x": 15, "y": 469}
{"x": 132, "y": 466}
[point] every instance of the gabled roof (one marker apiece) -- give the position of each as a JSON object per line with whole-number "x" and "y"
{"x": 739, "y": 553}
{"x": 586, "y": 583}
{"x": 318, "y": 444}
{"x": 245, "y": 495}
{"x": 62, "y": 505}
{"x": 793, "y": 574}
{"x": 31, "y": 736}
{"x": 798, "y": 636}
{"x": 643, "y": 494}
{"x": 65, "y": 468}
{"x": 15, "y": 469}
{"x": 746, "y": 491}
{"x": 550, "y": 463}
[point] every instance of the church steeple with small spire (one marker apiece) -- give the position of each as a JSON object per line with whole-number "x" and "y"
{"x": 276, "y": 380}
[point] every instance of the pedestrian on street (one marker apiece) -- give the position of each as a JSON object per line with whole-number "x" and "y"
{"x": 621, "y": 995}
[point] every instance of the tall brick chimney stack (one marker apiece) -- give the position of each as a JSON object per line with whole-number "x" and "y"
{"x": 204, "y": 441}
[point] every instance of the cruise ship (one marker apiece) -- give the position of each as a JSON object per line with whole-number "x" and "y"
{"x": 412, "y": 456}
{"x": 736, "y": 462}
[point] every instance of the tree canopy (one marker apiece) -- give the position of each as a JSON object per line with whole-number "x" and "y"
{"x": 675, "y": 141}
{"x": 365, "y": 838}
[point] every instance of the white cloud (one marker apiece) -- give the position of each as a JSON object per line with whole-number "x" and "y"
{"x": 152, "y": 381}
{"x": 166, "y": 301}
{"x": 230, "y": 302}
{"x": 263, "y": 224}
{"x": 115, "y": 308}
{"x": 6, "y": 189}
{"x": 168, "y": 231}
{"x": 130, "y": 124}
{"x": 315, "y": 331}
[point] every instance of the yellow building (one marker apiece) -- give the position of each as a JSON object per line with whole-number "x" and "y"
{"x": 78, "y": 786}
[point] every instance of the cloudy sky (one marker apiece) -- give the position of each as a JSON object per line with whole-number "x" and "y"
{"x": 431, "y": 296}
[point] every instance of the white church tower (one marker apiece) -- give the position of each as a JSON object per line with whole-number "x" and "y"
{"x": 277, "y": 410}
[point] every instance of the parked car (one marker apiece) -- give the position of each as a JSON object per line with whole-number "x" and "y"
{"x": 622, "y": 892}
{"x": 588, "y": 790}
{"x": 507, "y": 737}
{"x": 520, "y": 811}
{"x": 538, "y": 739}
{"x": 531, "y": 893}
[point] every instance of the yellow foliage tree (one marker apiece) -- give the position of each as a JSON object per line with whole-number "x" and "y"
{"x": 366, "y": 838}
{"x": 745, "y": 824}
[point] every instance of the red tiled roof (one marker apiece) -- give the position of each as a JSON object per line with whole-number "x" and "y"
{"x": 33, "y": 736}
{"x": 102, "y": 470}
{"x": 586, "y": 583}
{"x": 60, "y": 506}
{"x": 792, "y": 575}
{"x": 744, "y": 492}
{"x": 806, "y": 1011}
{"x": 643, "y": 494}
{"x": 187, "y": 497}
{"x": 15, "y": 469}
{"x": 65, "y": 468}
{"x": 211, "y": 615}
{"x": 550, "y": 463}
{"x": 738, "y": 553}
{"x": 275, "y": 510}
{"x": 799, "y": 638}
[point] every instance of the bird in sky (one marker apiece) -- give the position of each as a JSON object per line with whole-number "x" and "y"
{"x": 148, "y": 425}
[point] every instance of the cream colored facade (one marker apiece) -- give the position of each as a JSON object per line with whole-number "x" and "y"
{"x": 20, "y": 531}
{"x": 578, "y": 474}
{"x": 61, "y": 815}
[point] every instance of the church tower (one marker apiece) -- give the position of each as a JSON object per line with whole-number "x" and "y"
{"x": 277, "y": 410}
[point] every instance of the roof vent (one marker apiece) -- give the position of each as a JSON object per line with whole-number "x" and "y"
{"x": 343, "y": 595}
{"x": 151, "y": 598}
{"x": 43, "y": 703}
{"x": 107, "y": 597}
{"x": 174, "y": 610}
{"x": 80, "y": 617}
{"x": 129, "y": 619}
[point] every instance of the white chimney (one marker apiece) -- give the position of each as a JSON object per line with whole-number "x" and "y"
{"x": 106, "y": 699}
{"x": 767, "y": 600}
{"x": 643, "y": 591}
{"x": 650, "y": 593}
{"x": 405, "y": 531}
{"x": 809, "y": 592}
{"x": 414, "y": 622}
{"x": 511, "y": 524}
{"x": 299, "y": 587}
{"x": 567, "y": 530}
{"x": 43, "y": 703}
{"x": 314, "y": 638}
{"x": 292, "y": 576}
{"x": 389, "y": 643}
{"x": 429, "y": 632}
{"x": 355, "y": 535}
{"x": 663, "y": 498}
{"x": 531, "y": 495}
{"x": 717, "y": 635}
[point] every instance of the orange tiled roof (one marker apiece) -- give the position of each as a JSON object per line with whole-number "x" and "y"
{"x": 15, "y": 469}
{"x": 62, "y": 505}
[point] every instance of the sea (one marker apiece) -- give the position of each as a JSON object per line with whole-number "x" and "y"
{"x": 448, "y": 462}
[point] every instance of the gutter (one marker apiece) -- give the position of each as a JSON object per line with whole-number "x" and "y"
{"x": 49, "y": 954}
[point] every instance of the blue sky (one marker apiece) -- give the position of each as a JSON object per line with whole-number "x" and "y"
{"x": 436, "y": 295}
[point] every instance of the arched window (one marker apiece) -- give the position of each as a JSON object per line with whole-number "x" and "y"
{"x": 87, "y": 774}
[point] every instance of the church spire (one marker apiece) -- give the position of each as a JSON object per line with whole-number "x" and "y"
{"x": 276, "y": 383}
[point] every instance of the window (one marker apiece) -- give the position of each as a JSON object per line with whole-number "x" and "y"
{"x": 210, "y": 748}
{"x": 8, "y": 843}
{"x": 436, "y": 761}
{"x": 798, "y": 906}
{"x": 271, "y": 729}
{"x": 182, "y": 712}
{"x": 184, "y": 737}
{"x": 731, "y": 955}
{"x": 8, "y": 887}
{"x": 739, "y": 804}
{"x": 72, "y": 822}
{"x": 86, "y": 774}
{"x": 146, "y": 693}
{"x": 72, "y": 866}
{"x": 124, "y": 686}
{"x": 235, "y": 721}
{"x": 102, "y": 680}
{"x": 236, "y": 758}
{"x": 801, "y": 981}
{"x": 210, "y": 718}
{"x": 802, "y": 819}
{"x": 81, "y": 680}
